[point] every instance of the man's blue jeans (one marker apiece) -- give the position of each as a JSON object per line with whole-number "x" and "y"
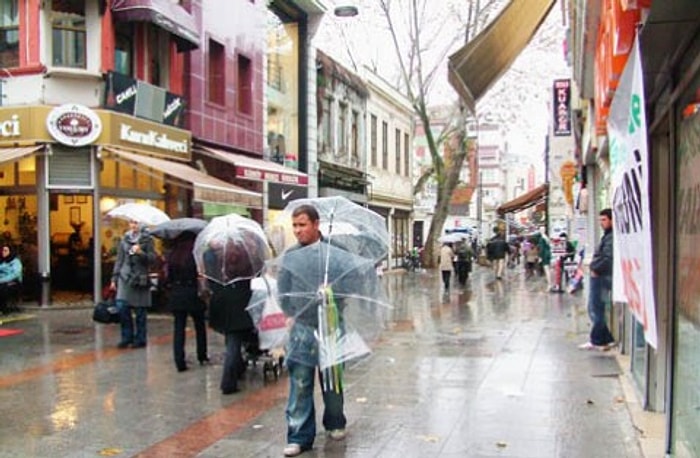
{"x": 598, "y": 295}
{"x": 127, "y": 323}
{"x": 301, "y": 414}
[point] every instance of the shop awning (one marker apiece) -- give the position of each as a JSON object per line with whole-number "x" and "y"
{"x": 257, "y": 169}
{"x": 206, "y": 188}
{"x": 163, "y": 13}
{"x": 13, "y": 154}
{"x": 523, "y": 201}
{"x": 481, "y": 62}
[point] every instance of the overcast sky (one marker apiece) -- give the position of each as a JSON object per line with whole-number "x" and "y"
{"x": 519, "y": 98}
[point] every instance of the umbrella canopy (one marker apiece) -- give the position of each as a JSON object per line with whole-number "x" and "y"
{"x": 363, "y": 231}
{"x": 450, "y": 238}
{"x": 231, "y": 248}
{"x": 173, "y": 228}
{"x": 143, "y": 213}
{"x": 336, "y": 300}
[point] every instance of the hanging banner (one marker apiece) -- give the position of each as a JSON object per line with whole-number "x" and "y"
{"x": 629, "y": 162}
{"x": 562, "y": 108}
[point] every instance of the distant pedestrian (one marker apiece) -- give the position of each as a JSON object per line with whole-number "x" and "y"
{"x": 184, "y": 299}
{"x": 130, "y": 279}
{"x": 446, "y": 260}
{"x": 464, "y": 262}
{"x": 600, "y": 285}
{"x": 10, "y": 275}
{"x": 497, "y": 250}
{"x": 544, "y": 249}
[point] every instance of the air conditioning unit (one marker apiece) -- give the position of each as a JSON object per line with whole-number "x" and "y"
{"x": 150, "y": 101}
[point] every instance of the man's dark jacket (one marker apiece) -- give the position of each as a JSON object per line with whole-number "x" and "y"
{"x": 602, "y": 262}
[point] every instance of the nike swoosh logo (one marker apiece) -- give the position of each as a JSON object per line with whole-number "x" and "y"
{"x": 286, "y": 194}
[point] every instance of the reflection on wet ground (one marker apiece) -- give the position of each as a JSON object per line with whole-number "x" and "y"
{"x": 490, "y": 369}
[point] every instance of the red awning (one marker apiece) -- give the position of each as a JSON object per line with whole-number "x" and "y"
{"x": 524, "y": 201}
{"x": 163, "y": 13}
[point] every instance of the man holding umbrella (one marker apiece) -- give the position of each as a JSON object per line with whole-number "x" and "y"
{"x": 300, "y": 412}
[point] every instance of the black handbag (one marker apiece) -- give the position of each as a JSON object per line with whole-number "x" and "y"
{"x": 106, "y": 312}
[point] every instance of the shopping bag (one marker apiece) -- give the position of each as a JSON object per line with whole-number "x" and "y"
{"x": 267, "y": 314}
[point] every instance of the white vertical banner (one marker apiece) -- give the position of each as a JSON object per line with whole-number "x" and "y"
{"x": 633, "y": 279}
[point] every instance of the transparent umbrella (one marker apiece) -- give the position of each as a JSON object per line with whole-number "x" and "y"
{"x": 343, "y": 223}
{"x": 143, "y": 213}
{"x": 336, "y": 302}
{"x": 231, "y": 248}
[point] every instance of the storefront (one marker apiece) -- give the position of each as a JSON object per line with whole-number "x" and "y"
{"x": 278, "y": 184}
{"x": 62, "y": 168}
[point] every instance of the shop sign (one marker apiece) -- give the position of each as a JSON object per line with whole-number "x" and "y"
{"x": 122, "y": 93}
{"x": 279, "y": 195}
{"x": 152, "y": 138}
{"x": 249, "y": 173}
{"x": 562, "y": 108}
{"x": 73, "y": 125}
{"x": 10, "y": 127}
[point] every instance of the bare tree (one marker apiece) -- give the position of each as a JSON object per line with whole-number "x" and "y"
{"x": 409, "y": 26}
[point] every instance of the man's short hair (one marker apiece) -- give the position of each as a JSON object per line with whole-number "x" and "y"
{"x": 606, "y": 212}
{"x": 306, "y": 209}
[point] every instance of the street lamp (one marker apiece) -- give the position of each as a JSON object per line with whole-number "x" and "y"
{"x": 346, "y": 11}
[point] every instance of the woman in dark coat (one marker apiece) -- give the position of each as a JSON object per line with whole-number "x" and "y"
{"x": 184, "y": 300}
{"x": 227, "y": 310}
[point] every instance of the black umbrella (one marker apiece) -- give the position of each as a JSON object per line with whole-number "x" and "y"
{"x": 172, "y": 229}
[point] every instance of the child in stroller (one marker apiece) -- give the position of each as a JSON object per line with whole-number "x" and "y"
{"x": 271, "y": 332}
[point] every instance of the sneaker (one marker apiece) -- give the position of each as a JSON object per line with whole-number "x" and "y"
{"x": 608, "y": 346}
{"x": 587, "y": 346}
{"x": 337, "y": 434}
{"x": 292, "y": 450}
{"x": 123, "y": 344}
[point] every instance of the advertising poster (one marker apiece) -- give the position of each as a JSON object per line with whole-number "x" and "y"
{"x": 629, "y": 162}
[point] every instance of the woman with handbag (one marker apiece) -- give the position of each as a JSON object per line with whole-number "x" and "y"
{"x": 130, "y": 279}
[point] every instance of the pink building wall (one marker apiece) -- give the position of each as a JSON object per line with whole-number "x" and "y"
{"x": 239, "y": 26}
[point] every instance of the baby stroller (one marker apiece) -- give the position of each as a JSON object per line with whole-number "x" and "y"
{"x": 271, "y": 332}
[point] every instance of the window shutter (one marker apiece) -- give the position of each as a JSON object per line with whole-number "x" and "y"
{"x": 70, "y": 167}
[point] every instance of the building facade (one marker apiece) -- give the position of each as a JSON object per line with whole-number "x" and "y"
{"x": 389, "y": 143}
{"x": 603, "y": 36}
{"x": 95, "y": 92}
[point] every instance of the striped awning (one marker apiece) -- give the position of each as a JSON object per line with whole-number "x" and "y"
{"x": 15, "y": 153}
{"x": 206, "y": 188}
{"x": 480, "y": 63}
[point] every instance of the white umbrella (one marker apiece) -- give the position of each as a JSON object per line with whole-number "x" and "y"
{"x": 450, "y": 238}
{"x": 143, "y": 213}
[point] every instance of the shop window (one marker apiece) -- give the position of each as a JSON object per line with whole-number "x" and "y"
{"x": 217, "y": 73}
{"x": 26, "y": 168}
{"x": 69, "y": 33}
{"x": 354, "y": 139}
{"x": 7, "y": 174}
{"x": 385, "y": 145}
{"x": 406, "y": 155}
{"x": 342, "y": 128}
{"x": 108, "y": 173}
{"x": 126, "y": 176}
{"x": 124, "y": 49}
{"x": 373, "y": 140}
{"x": 245, "y": 85}
{"x": 9, "y": 34}
{"x": 143, "y": 180}
{"x": 326, "y": 138}
{"x": 397, "y": 166}
{"x": 158, "y": 56}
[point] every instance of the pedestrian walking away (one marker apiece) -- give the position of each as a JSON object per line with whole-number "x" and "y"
{"x": 544, "y": 250}
{"x": 497, "y": 250}
{"x": 130, "y": 279}
{"x": 600, "y": 286}
{"x": 184, "y": 299}
{"x": 446, "y": 264}
{"x": 303, "y": 320}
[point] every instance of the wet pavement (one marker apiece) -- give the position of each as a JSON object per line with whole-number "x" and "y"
{"x": 490, "y": 370}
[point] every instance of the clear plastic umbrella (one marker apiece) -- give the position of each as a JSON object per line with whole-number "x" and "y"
{"x": 336, "y": 302}
{"x": 231, "y": 248}
{"x": 343, "y": 223}
{"x": 143, "y": 213}
{"x": 173, "y": 228}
